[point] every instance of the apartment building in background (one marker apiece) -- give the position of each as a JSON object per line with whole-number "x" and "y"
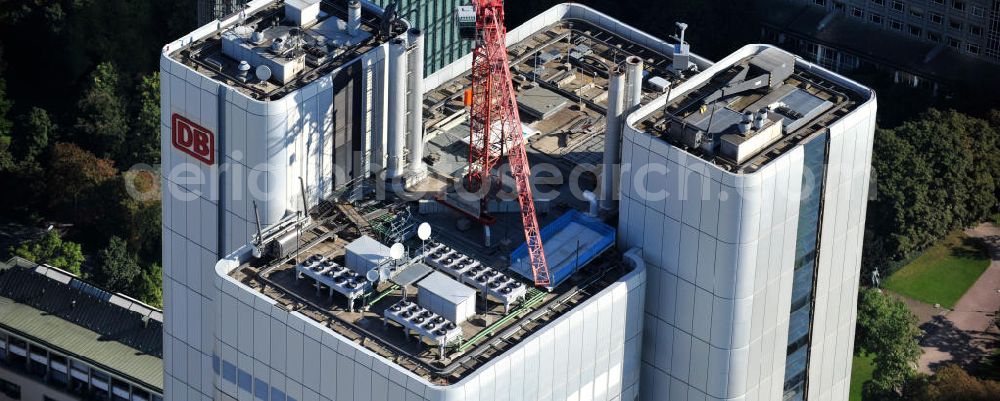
{"x": 929, "y": 43}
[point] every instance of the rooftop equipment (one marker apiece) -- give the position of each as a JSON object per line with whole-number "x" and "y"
{"x": 449, "y": 298}
{"x": 365, "y": 254}
{"x": 353, "y": 17}
{"x": 770, "y": 68}
{"x": 302, "y": 12}
{"x": 571, "y": 242}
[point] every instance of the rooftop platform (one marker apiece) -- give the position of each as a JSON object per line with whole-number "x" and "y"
{"x": 295, "y": 53}
{"x": 495, "y": 327}
{"x": 752, "y": 111}
{"x": 561, "y": 83}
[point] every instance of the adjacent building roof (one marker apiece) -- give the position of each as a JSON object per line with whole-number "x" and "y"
{"x": 934, "y": 61}
{"x": 50, "y": 306}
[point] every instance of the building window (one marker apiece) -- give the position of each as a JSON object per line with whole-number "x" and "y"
{"x": 972, "y": 49}
{"x": 875, "y": 18}
{"x": 849, "y": 62}
{"x": 58, "y": 370}
{"x": 879, "y": 2}
{"x": 260, "y": 389}
{"x": 959, "y": 5}
{"x": 934, "y": 36}
{"x": 820, "y": 2}
{"x": 915, "y": 30}
{"x": 937, "y": 18}
{"x": 978, "y": 11}
{"x": 897, "y": 5}
{"x": 955, "y": 24}
{"x": 954, "y": 42}
{"x": 245, "y": 381}
{"x": 839, "y": 6}
{"x": 916, "y": 12}
{"x": 855, "y": 11}
{"x": 896, "y": 24}
{"x": 976, "y": 30}
{"x": 78, "y": 374}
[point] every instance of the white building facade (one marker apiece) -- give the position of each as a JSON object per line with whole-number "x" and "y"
{"x": 249, "y": 151}
{"x": 752, "y": 278}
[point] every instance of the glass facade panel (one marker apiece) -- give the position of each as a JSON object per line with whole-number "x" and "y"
{"x": 436, "y": 18}
{"x": 806, "y": 248}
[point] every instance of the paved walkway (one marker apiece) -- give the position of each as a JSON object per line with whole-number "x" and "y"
{"x": 966, "y": 334}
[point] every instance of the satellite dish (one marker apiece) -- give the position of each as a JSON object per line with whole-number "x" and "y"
{"x": 263, "y": 73}
{"x": 373, "y": 275}
{"x": 424, "y": 231}
{"x": 384, "y": 273}
{"x": 396, "y": 251}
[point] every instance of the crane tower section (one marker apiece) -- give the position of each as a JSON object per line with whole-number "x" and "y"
{"x": 495, "y": 125}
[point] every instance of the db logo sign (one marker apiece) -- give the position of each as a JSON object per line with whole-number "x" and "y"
{"x": 193, "y": 139}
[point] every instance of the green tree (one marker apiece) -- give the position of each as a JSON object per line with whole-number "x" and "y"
{"x": 33, "y": 134}
{"x": 952, "y": 383}
{"x": 150, "y": 289}
{"x": 117, "y": 269}
{"x": 77, "y": 174}
{"x": 933, "y": 174}
{"x": 52, "y": 250}
{"x": 102, "y": 121}
{"x": 144, "y": 143}
{"x": 6, "y": 160}
{"x": 887, "y": 329}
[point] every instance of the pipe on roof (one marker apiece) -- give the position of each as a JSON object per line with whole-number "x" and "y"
{"x": 613, "y": 136}
{"x": 397, "y": 108}
{"x": 634, "y": 69}
{"x": 416, "y": 117}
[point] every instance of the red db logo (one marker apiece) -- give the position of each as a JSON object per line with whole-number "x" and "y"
{"x": 193, "y": 139}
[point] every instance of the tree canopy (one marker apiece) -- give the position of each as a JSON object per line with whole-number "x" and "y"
{"x": 933, "y": 175}
{"x": 102, "y": 124}
{"x": 52, "y": 250}
{"x": 952, "y": 383}
{"x": 887, "y": 329}
{"x": 117, "y": 268}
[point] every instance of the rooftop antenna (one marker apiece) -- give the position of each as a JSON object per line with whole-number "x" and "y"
{"x": 260, "y": 234}
{"x": 305, "y": 201}
{"x": 396, "y": 252}
{"x": 423, "y": 232}
{"x": 263, "y": 73}
{"x": 683, "y": 27}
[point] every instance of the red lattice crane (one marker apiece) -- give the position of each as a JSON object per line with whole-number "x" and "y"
{"x": 495, "y": 122}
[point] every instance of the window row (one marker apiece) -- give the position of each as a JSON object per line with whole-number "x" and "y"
{"x": 66, "y": 373}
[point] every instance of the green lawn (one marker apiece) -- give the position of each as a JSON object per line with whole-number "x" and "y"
{"x": 861, "y": 371}
{"x": 943, "y": 272}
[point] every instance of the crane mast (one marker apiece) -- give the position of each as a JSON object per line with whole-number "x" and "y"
{"x": 494, "y": 124}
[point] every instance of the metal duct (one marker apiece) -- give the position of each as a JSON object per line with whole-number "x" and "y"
{"x": 633, "y": 65}
{"x": 353, "y": 17}
{"x": 613, "y": 136}
{"x": 416, "y": 120}
{"x": 397, "y": 108}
